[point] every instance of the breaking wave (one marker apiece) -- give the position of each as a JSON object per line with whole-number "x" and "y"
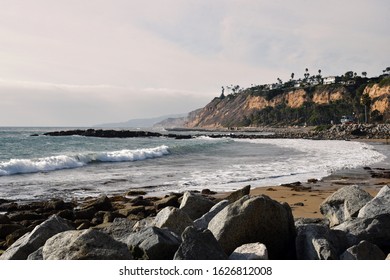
{"x": 21, "y": 166}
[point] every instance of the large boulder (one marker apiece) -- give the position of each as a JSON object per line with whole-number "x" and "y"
{"x": 199, "y": 244}
{"x": 256, "y": 219}
{"x": 238, "y": 194}
{"x": 195, "y": 205}
{"x": 375, "y": 230}
{"x": 363, "y": 251}
{"x": 173, "y": 218}
{"x": 317, "y": 242}
{"x": 380, "y": 204}
{"x": 251, "y": 251}
{"x": 344, "y": 204}
{"x": 203, "y": 222}
{"x": 32, "y": 241}
{"x": 120, "y": 229}
{"x": 89, "y": 244}
{"x": 156, "y": 243}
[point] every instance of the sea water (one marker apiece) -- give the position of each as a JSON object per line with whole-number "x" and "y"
{"x": 73, "y": 167}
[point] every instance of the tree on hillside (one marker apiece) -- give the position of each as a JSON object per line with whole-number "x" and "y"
{"x": 306, "y": 75}
{"x": 364, "y": 74}
{"x": 222, "y": 96}
{"x": 348, "y": 75}
{"x": 292, "y": 76}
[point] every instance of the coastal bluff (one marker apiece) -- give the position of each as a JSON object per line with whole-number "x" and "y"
{"x": 242, "y": 226}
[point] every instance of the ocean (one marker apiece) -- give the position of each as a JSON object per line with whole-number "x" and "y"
{"x": 75, "y": 167}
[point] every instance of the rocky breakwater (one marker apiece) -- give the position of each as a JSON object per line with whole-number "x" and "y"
{"x": 110, "y": 133}
{"x": 194, "y": 226}
{"x": 335, "y": 132}
{"x": 353, "y": 131}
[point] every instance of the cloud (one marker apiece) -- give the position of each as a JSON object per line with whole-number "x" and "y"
{"x": 115, "y": 57}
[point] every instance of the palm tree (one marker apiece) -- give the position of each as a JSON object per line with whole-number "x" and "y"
{"x": 307, "y": 75}
{"x": 364, "y": 74}
{"x": 366, "y": 101}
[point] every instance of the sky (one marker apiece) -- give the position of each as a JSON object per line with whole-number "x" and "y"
{"x": 82, "y": 62}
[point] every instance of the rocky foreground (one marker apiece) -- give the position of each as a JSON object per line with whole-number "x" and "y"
{"x": 196, "y": 226}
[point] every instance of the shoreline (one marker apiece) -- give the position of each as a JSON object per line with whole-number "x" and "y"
{"x": 304, "y": 199}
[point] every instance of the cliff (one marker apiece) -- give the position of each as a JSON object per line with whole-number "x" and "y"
{"x": 312, "y": 105}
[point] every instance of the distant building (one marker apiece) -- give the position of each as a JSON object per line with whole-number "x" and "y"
{"x": 329, "y": 80}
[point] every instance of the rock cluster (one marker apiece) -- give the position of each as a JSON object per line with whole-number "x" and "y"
{"x": 197, "y": 227}
{"x": 334, "y": 132}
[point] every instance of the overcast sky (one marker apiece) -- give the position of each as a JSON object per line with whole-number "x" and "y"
{"x": 83, "y": 62}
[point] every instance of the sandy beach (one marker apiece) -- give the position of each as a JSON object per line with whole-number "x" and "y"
{"x": 305, "y": 198}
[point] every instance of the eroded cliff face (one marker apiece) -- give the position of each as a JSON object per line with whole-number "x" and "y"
{"x": 234, "y": 109}
{"x": 380, "y": 98}
{"x": 323, "y": 96}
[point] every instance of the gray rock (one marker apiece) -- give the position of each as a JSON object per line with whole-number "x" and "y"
{"x": 36, "y": 256}
{"x": 120, "y": 229}
{"x": 256, "y": 219}
{"x": 380, "y": 204}
{"x": 32, "y": 241}
{"x": 316, "y": 242}
{"x": 195, "y": 205}
{"x": 306, "y": 221}
{"x": 203, "y": 222}
{"x": 199, "y": 245}
{"x": 363, "y": 251}
{"x": 174, "y": 219}
{"x": 6, "y": 229}
{"x": 251, "y": 251}
{"x": 344, "y": 204}
{"x": 87, "y": 244}
{"x": 375, "y": 230}
{"x": 158, "y": 244}
{"x": 238, "y": 194}
{"x": 171, "y": 200}
{"x": 144, "y": 223}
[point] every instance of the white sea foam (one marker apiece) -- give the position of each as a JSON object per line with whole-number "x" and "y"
{"x": 329, "y": 155}
{"x": 312, "y": 159}
{"x": 20, "y": 166}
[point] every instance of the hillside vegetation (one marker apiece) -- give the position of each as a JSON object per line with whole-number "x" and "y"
{"x": 302, "y": 102}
